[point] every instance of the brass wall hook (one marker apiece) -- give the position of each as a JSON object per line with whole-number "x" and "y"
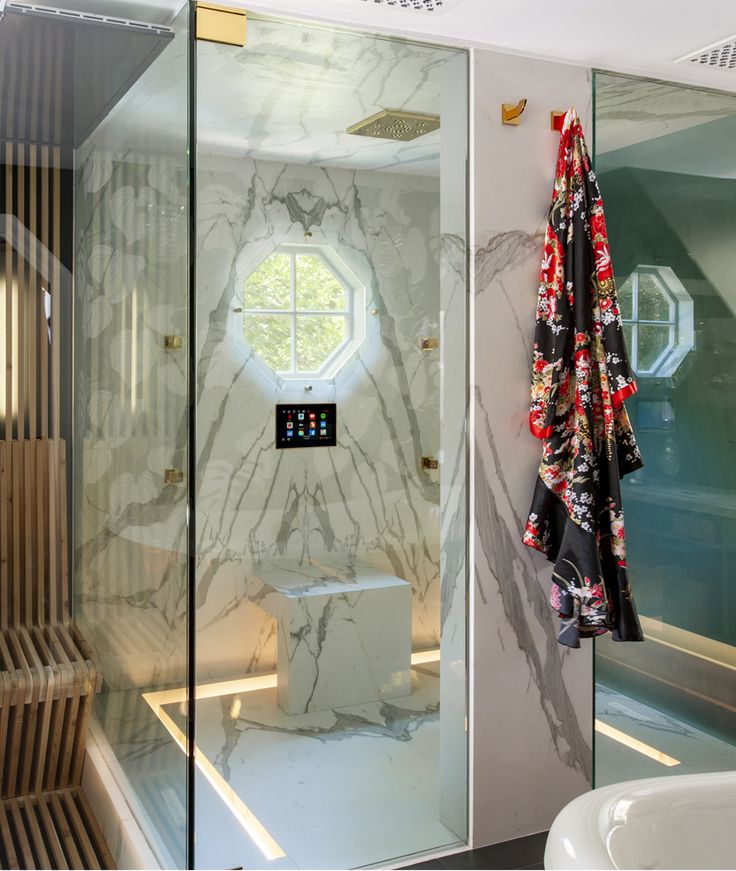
{"x": 556, "y": 120}
{"x": 511, "y": 113}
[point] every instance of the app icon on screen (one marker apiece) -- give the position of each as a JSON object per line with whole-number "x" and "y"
{"x": 300, "y": 416}
{"x": 301, "y": 432}
{"x": 289, "y": 424}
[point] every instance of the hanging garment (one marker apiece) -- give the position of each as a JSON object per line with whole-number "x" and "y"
{"x": 580, "y": 379}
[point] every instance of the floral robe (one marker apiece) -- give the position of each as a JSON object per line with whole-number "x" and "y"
{"x": 580, "y": 379}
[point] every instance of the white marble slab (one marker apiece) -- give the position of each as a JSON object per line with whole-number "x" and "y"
{"x": 339, "y": 789}
{"x": 344, "y": 634}
{"x": 532, "y": 699}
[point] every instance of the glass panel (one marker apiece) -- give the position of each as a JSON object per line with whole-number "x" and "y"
{"x": 667, "y": 203}
{"x": 653, "y": 341}
{"x": 316, "y": 286}
{"x": 626, "y": 298}
{"x": 270, "y": 338}
{"x": 317, "y": 338}
{"x": 654, "y": 305}
{"x": 628, "y": 330}
{"x": 130, "y": 189}
{"x": 269, "y": 286}
{"x": 332, "y": 648}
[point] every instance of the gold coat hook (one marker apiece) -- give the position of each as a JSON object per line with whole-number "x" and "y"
{"x": 510, "y": 113}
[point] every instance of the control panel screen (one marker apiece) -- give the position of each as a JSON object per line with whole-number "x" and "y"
{"x": 305, "y": 426}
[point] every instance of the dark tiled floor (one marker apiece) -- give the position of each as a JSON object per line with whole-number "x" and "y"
{"x": 527, "y": 853}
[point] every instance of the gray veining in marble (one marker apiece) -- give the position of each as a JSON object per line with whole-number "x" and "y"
{"x": 367, "y": 498}
{"x": 531, "y": 694}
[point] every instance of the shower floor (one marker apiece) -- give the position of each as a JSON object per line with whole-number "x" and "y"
{"x": 695, "y": 751}
{"x": 341, "y": 788}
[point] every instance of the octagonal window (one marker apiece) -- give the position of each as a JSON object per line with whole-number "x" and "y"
{"x": 303, "y": 311}
{"x": 657, "y": 315}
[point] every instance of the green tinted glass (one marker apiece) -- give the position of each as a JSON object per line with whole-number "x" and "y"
{"x": 654, "y": 305}
{"x": 626, "y": 299}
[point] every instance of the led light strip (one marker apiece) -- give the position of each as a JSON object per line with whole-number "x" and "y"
{"x": 635, "y": 744}
{"x": 242, "y": 813}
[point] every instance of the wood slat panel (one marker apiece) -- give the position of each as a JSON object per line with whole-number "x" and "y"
{"x": 33, "y": 562}
{"x": 53, "y": 830}
{"x": 47, "y": 679}
{"x": 9, "y": 282}
{"x": 43, "y": 234}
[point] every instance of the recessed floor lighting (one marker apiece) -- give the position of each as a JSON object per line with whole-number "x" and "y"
{"x": 244, "y": 815}
{"x": 635, "y": 744}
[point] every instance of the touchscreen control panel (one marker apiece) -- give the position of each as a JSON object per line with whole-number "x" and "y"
{"x": 305, "y": 426}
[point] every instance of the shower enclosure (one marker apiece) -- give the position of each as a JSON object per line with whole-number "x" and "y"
{"x": 270, "y": 395}
{"x": 665, "y": 162}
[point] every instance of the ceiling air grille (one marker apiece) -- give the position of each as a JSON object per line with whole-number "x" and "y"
{"x": 721, "y": 56}
{"x": 418, "y": 5}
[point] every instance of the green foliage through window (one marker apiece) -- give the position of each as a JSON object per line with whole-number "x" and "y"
{"x": 296, "y": 312}
{"x": 649, "y": 314}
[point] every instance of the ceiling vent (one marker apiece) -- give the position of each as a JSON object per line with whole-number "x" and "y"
{"x": 416, "y": 5}
{"x": 720, "y": 55}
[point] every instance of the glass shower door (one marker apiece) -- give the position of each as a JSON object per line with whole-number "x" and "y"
{"x": 131, "y": 177}
{"x": 331, "y": 400}
{"x": 664, "y": 157}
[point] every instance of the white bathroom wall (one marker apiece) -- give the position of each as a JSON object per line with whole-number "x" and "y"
{"x": 532, "y": 698}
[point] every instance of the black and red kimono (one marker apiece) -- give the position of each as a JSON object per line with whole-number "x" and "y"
{"x": 580, "y": 379}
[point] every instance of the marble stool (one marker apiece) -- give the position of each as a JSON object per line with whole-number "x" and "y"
{"x": 344, "y": 634}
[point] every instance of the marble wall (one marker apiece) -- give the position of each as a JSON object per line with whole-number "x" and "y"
{"x": 130, "y": 577}
{"x": 532, "y": 699}
{"x": 367, "y": 500}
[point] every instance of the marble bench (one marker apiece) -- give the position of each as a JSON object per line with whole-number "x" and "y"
{"x": 344, "y": 634}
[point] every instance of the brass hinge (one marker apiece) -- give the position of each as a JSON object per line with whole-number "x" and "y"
{"x": 173, "y": 476}
{"x": 430, "y": 463}
{"x": 225, "y": 24}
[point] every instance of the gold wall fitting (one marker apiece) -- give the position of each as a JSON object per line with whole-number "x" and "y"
{"x": 396, "y": 124}
{"x": 429, "y": 344}
{"x": 556, "y": 120}
{"x": 172, "y": 343}
{"x": 173, "y": 476}
{"x": 430, "y": 463}
{"x": 511, "y": 112}
{"x": 225, "y": 24}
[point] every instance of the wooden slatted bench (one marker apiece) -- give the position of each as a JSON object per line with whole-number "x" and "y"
{"x": 47, "y": 676}
{"x": 55, "y": 829}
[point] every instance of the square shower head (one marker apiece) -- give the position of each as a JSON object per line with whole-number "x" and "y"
{"x": 395, "y": 124}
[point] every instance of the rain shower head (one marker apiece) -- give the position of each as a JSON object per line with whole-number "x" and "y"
{"x": 395, "y": 124}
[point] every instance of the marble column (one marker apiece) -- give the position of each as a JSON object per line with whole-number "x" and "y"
{"x": 532, "y": 699}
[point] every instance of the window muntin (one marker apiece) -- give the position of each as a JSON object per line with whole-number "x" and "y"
{"x": 300, "y": 313}
{"x": 657, "y": 315}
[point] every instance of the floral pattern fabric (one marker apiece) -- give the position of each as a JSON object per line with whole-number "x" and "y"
{"x": 580, "y": 379}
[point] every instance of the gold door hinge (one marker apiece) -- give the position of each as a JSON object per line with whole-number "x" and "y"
{"x": 226, "y": 24}
{"x": 430, "y": 463}
{"x": 173, "y": 476}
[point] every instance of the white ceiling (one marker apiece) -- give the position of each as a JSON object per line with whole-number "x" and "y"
{"x": 643, "y": 36}
{"x": 636, "y": 36}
